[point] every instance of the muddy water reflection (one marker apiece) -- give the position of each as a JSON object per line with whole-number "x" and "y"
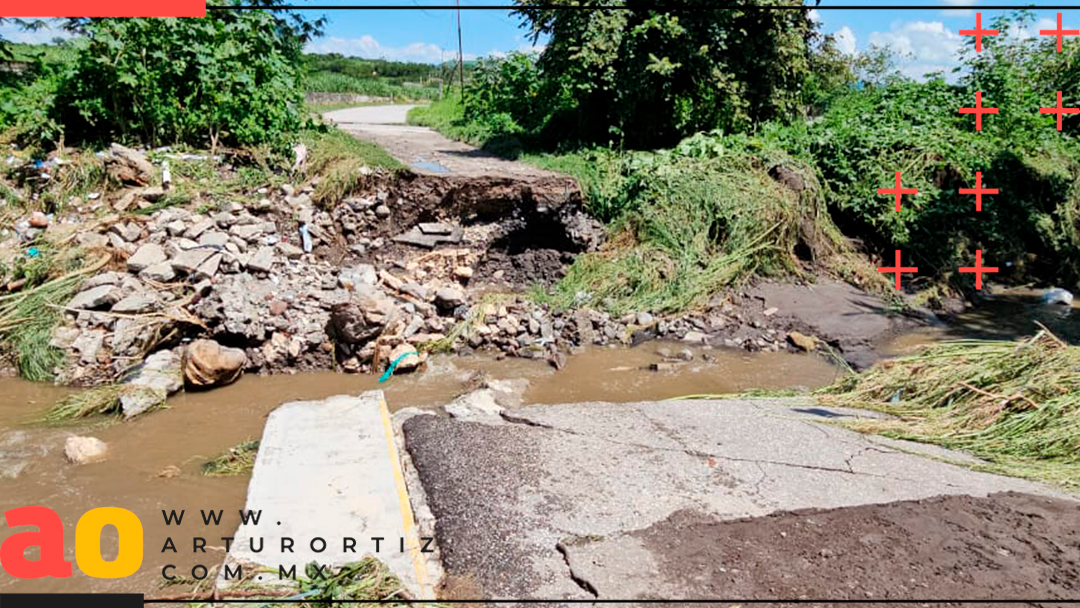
{"x": 197, "y": 426}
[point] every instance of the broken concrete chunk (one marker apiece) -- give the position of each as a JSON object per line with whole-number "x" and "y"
{"x": 448, "y": 298}
{"x": 88, "y": 345}
{"x": 187, "y": 261}
{"x": 135, "y": 303}
{"x": 105, "y": 278}
{"x": 95, "y": 298}
{"x": 436, "y": 228}
{"x": 148, "y": 255}
{"x": 161, "y": 273}
{"x": 129, "y": 166}
{"x": 361, "y": 274}
{"x": 262, "y": 261}
{"x": 290, "y": 251}
{"x": 214, "y": 238}
{"x": 157, "y": 378}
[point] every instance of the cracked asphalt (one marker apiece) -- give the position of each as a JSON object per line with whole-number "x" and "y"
{"x": 542, "y": 504}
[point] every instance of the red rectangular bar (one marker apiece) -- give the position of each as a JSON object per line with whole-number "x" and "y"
{"x": 103, "y": 8}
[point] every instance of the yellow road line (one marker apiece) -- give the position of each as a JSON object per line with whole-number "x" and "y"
{"x": 412, "y": 538}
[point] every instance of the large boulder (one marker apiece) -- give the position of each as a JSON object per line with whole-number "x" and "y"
{"x": 360, "y": 319}
{"x": 207, "y": 364}
{"x": 129, "y": 166}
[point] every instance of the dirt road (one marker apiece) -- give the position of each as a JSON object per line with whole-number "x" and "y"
{"x": 421, "y": 148}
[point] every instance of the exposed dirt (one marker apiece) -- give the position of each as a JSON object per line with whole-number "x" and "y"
{"x": 523, "y": 232}
{"x": 854, "y": 323}
{"x": 1005, "y": 546}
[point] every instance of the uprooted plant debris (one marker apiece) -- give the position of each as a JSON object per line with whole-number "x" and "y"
{"x": 1014, "y": 404}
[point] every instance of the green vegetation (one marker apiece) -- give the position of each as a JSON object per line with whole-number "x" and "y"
{"x": 692, "y": 220}
{"x": 341, "y": 161}
{"x": 1015, "y": 405}
{"x": 225, "y": 79}
{"x": 27, "y": 317}
{"x": 396, "y": 80}
{"x": 843, "y": 124}
{"x": 237, "y": 460}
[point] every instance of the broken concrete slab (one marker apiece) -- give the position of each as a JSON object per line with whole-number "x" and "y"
{"x": 436, "y": 228}
{"x": 511, "y": 500}
{"x": 329, "y": 469}
{"x": 419, "y": 238}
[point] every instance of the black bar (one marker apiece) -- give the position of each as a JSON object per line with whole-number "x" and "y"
{"x": 70, "y": 600}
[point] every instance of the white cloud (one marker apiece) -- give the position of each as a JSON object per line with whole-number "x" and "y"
{"x": 11, "y": 32}
{"x": 845, "y": 40}
{"x": 959, "y": 12}
{"x": 370, "y": 48}
{"x": 814, "y": 15}
{"x": 923, "y": 46}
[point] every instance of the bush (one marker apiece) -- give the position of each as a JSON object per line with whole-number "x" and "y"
{"x": 229, "y": 78}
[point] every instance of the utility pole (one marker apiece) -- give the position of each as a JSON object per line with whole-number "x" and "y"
{"x": 460, "y": 56}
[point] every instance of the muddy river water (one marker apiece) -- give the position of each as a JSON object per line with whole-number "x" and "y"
{"x": 154, "y": 462}
{"x": 145, "y": 455}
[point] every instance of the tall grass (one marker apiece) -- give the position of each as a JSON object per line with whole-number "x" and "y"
{"x": 27, "y": 317}
{"x": 337, "y": 158}
{"x": 1013, "y": 404}
{"x": 691, "y": 221}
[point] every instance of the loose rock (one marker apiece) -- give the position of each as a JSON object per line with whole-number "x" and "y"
{"x": 84, "y": 450}
{"x": 207, "y": 363}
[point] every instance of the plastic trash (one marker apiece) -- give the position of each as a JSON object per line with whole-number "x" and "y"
{"x": 305, "y": 238}
{"x": 1057, "y": 296}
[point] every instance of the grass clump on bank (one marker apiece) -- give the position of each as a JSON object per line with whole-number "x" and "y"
{"x": 28, "y": 316}
{"x": 692, "y": 220}
{"x": 338, "y": 159}
{"x": 237, "y": 460}
{"x": 1013, "y": 404}
{"x": 99, "y": 401}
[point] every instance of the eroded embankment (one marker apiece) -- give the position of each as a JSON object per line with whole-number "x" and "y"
{"x": 296, "y": 278}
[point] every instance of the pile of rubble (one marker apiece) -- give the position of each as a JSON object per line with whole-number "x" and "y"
{"x": 403, "y": 267}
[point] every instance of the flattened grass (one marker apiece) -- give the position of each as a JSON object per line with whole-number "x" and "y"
{"x": 690, "y": 221}
{"x": 237, "y": 460}
{"x": 1014, "y": 404}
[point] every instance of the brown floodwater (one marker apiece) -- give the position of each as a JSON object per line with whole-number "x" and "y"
{"x": 1002, "y": 314}
{"x": 198, "y": 426}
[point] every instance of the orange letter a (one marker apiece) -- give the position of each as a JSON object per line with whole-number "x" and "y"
{"x": 49, "y": 537}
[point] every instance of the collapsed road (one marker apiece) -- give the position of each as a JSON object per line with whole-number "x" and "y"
{"x": 665, "y": 500}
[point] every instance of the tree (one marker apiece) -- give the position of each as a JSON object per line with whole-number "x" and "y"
{"x": 231, "y": 77}
{"x": 647, "y": 77}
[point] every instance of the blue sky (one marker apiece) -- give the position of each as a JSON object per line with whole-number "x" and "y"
{"x": 928, "y": 39}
